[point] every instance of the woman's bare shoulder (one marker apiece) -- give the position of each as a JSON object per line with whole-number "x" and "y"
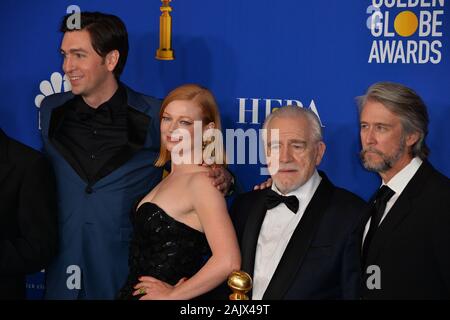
{"x": 200, "y": 182}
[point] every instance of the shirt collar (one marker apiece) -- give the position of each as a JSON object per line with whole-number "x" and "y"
{"x": 118, "y": 100}
{"x": 401, "y": 179}
{"x": 113, "y": 106}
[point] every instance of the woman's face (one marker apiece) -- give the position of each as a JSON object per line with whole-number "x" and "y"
{"x": 177, "y": 125}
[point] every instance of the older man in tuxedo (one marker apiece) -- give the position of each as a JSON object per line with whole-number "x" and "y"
{"x": 406, "y": 235}
{"x": 299, "y": 237}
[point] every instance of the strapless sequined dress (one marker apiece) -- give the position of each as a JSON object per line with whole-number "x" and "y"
{"x": 163, "y": 248}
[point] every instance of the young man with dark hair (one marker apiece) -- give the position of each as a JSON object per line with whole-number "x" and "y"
{"x": 103, "y": 139}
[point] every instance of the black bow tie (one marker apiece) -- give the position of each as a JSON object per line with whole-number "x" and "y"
{"x": 273, "y": 199}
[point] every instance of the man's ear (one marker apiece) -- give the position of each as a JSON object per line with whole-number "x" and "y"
{"x": 320, "y": 152}
{"x": 111, "y": 60}
{"x": 412, "y": 138}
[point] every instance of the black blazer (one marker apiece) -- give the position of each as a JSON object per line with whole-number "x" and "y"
{"x": 412, "y": 245}
{"x": 28, "y": 225}
{"x": 322, "y": 258}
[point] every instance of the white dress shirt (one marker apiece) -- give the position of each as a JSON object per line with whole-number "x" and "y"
{"x": 276, "y": 231}
{"x": 398, "y": 183}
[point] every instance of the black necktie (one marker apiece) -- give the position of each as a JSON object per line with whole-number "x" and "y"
{"x": 273, "y": 199}
{"x": 377, "y": 210}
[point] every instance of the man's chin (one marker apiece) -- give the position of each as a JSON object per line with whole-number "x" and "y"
{"x": 76, "y": 92}
{"x": 375, "y": 167}
{"x": 286, "y": 186}
{"x": 372, "y": 156}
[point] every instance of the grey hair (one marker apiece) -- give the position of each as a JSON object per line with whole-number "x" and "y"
{"x": 407, "y": 105}
{"x": 296, "y": 111}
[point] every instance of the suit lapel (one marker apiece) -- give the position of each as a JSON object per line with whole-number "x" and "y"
{"x": 251, "y": 232}
{"x": 364, "y": 220}
{"x": 5, "y": 165}
{"x": 56, "y": 121}
{"x": 300, "y": 242}
{"x": 137, "y": 126}
{"x": 362, "y": 227}
{"x": 399, "y": 211}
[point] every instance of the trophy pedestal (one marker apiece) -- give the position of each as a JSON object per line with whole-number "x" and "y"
{"x": 164, "y": 54}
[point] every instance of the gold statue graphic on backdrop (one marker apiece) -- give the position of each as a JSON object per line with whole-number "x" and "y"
{"x": 241, "y": 283}
{"x": 165, "y": 51}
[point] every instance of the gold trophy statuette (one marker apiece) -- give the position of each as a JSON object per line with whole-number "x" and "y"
{"x": 240, "y": 283}
{"x": 165, "y": 51}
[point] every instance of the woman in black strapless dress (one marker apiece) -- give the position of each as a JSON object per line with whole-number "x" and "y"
{"x": 184, "y": 244}
{"x": 162, "y": 248}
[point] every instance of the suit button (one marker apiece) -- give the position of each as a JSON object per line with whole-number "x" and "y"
{"x": 88, "y": 190}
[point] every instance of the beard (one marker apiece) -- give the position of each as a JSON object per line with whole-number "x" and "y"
{"x": 387, "y": 161}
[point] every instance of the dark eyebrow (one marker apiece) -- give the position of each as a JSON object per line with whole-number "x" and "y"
{"x": 377, "y": 123}
{"x": 76, "y": 50}
{"x": 382, "y": 124}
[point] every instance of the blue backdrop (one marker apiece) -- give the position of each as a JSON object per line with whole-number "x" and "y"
{"x": 254, "y": 55}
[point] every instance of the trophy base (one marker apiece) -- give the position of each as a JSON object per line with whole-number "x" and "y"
{"x": 164, "y": 54}
{"x": 238, "y": 296}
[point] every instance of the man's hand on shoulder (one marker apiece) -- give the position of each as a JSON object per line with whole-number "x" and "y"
{"x": 221, "y": 178}
{"x": 264, "y": 185}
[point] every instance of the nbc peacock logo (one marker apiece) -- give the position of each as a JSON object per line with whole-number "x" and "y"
{"x": 57, "y": 84}
{"x": 406, "y": 31}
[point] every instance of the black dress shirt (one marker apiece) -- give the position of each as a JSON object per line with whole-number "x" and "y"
{"x": 95, "y": 136}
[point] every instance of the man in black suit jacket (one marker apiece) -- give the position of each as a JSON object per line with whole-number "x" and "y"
{"x": 28, "y": 226}
{"x": 305, "y": 245}
{"x": 406, "y": 252}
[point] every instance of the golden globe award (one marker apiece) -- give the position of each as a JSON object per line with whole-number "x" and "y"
{"x": 165, "y": 51}
{"x": 240, "y": 283}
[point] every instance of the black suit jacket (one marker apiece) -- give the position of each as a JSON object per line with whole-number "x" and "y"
{"x": 322, "y": 258}
{"x": 28, "y": 225}
{"x": 412, "y": 244}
